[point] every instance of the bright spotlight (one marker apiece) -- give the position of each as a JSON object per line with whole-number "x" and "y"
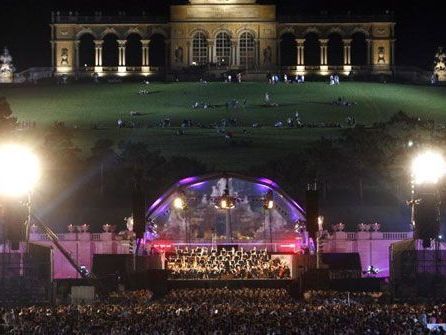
{"x": 178, "y": 203}
{"x": 268, "y": 200}
{"x": 428, "y": 168}
{"x": 19, "y": 170}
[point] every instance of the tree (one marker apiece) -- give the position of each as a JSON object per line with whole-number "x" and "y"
{"x": 7, "y": 121}
{"x": 102, "y": 159}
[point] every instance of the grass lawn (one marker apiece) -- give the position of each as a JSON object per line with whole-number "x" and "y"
{"x": 83, "y": 105}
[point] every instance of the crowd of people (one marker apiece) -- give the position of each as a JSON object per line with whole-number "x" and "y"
{"x": 342, "y": 101}
{"x": 226, "y": 311}
{"x": 229, "y": 78}
{"x": 234, "y": 104}
{"x": 334, "y": 80}
{"x": 205, "y": 263}
{"x": 285, "y": 78}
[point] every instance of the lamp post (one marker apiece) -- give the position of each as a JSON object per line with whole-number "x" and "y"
{"x": 427, "y": 170}
{"x": 227, "y": 202}
{"x": 268, "y": 205}
{"x": 19, "y": 174}
{"x": 180, "y": 203}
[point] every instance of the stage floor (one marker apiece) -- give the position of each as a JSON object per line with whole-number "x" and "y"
{"x": 231, "y": 283}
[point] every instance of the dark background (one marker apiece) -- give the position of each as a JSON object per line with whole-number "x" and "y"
{"x": 24, "y": 24}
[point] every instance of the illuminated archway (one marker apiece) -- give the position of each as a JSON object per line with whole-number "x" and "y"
{"x": 192, "y": 204}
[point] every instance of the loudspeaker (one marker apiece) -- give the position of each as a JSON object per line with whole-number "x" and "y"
{"x": 15, "y": 232}
{"x": 112, "y": 265}
{"x": 105, "y": 265}
{"x": 427, "y": 217}
{"x": 312, "y": 210}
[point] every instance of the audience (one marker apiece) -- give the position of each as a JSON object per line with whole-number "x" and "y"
{"x": 225, "y": 311}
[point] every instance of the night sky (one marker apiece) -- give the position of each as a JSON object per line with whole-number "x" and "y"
{"x": 24, "y": 23}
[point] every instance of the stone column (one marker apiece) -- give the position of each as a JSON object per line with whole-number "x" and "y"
{"x": 324, "y": 51}
{"x": 392, "y": 51}
{"x": 257, "y": 51}
{"x": 211, "y": 49}
{"x": 300, "y": 42}
{"x": 166, "y": 53}
{"x": 98, "y": 55}
{"x": 76, "y": 55}
{"x": 238, "y": 54}
{"x": 369, "y": 52}
{"x": 121, "y": 48}
{"x": 145, "y": 64}
{"x": 234, "y": 53}
{"x": 189, "y": 53}
{"x": 53, "y": 61}
{"x": 347, "y": 51}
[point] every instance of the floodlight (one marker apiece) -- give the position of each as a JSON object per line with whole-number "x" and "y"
{"x": 270, "y": 204}
{"x": 268, "y": 200}
{"x": 19, "y": 170}
{"x": 178, "y": 203}
{"x": 428, "y": 168}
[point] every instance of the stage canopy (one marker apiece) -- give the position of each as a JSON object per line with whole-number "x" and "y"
{"x": 191, "y": 210}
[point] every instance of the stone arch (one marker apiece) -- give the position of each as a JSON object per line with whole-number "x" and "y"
{"x": 288, "y": 49}
{"x": 199, "y": 30}
{"x": 361, "y": 30}
{"x": 359, "y": 48}
{"x": 133, "y": 50}
{"x": 216, "y": 32}
{"x": 199, "y": 47}
{"x": 85, "y": 31}
{"x": 157, "y": 47}
{"x": 312, "y": 30}
{"x": 158, "y": 31}
{"x": 86, "y": 50}
{"x": 110, "y": 31}
{"x": 247, "y": 49}
{"x": 241, "y": 31}
{"x": 223, "y": 47}
{"x": 336, "y": 31}
{"x": 110, "y": 55}
{"x": 312, "y": 48}
{"x": 335, "y": 49}
{"x": 133, "y": 31}
{"x": 287, "y": 30}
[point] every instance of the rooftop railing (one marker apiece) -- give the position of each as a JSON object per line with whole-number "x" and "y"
{"x": 338, "y": 18}
{"x": 98, "y": 19}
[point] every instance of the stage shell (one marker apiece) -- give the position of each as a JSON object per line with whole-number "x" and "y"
{"x": 202, "y": 221}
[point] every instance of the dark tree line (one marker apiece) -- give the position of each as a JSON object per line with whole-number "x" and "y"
{"x": 361, "y": 167}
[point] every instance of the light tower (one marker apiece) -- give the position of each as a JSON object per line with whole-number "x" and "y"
{"x": 19, "y": 174}
{"x": 427, "y": 170}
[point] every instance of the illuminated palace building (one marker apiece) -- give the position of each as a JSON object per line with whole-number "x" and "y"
{"x": 221, "y": 35}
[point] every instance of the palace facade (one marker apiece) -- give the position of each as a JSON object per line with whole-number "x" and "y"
{"x": 221, "y": 35}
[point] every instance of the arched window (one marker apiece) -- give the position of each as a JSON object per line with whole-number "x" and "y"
{"x": 199, "y": 49}
{"x": 247, "y": 50}
{"x": 223, "y": 49}
{"x": 86, "y": 51}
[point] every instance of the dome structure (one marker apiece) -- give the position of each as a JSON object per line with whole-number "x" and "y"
{"x": 224, "y": 207}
